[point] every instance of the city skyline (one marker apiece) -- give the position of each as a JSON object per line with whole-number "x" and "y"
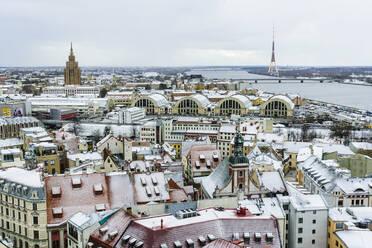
{"x": 168, "y": 33}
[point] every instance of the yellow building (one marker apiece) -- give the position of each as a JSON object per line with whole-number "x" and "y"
{"x": 10, "y": 127}
{"x": 349, "y": 227}
{"x": 48, "y": 155}
{"x": 23, "y": 208}
{"x": 116, "y": 98}
{"x": 72, "y": 70}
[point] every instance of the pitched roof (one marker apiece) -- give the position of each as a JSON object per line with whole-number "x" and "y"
{"x": 219, "y": 224}
{"x": 117, "y": 223}
{"x": 78, "y": 194}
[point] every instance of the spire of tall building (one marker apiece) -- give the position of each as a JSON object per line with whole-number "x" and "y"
{"x": 273, "y": 68}
{"x": 72, "y": 70}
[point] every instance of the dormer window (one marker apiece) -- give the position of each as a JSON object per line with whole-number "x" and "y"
{"x": 154, "y": 180}
{"x": 202, "y": 158}
{"x": 269, "y": 237}
{"x": 56, "y": 191}
{"x": 57, "y": 212}
{"x": 197, "y": 164}
{"x": 76, "y": 182}
{"x": 24, "y": 190}
{"x": 215, "y": 157}
{"x": 98, "y": 188}
{"x": 100, "y": 207}
{"x": 209, "y": 164}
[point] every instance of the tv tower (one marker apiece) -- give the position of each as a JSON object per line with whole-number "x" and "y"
{"x": 273, "y": 68}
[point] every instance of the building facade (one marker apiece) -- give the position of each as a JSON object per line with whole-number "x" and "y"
{"x": 23, "y": 208}
{"x": 72, "y": 70}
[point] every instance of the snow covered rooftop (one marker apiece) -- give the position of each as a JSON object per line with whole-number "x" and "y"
{"x": 160, "y": 100}
{"x": 355, "y": 238}
{"x": 228, "y": 129}
{"x": 283, "y": 98}
{"x": 85, "y": 156}
{"x": 308, "y": 202}
{"x": 362, "y": 145}
{"x": 243, "y": 99}
{"x": 10, "y": 142}
{"x": 203, "y": 100}
{"x": 31, "y": 178}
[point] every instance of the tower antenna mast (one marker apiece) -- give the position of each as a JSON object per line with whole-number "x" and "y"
{"x": 273, "y": 68}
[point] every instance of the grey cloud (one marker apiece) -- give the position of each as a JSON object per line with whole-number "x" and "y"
{"x": 180, "y": 32}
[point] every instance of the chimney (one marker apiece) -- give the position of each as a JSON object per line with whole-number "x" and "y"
{"x": 161, "y": 223}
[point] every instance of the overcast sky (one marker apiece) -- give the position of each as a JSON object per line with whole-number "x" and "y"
{"x": 185, "y": 32}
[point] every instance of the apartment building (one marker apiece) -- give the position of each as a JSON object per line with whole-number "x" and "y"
{"x": 200, "y": 161}
{"x": 176, "y": 130}
{"x": 151, "y": 131}
{"x": 10, "y": 126}
{"x": 225, "y": 135}
{"x": 131, "y": 115}
{"x": 11, "y": 157}
{"x": 23, "y": 207}
{"x": 307, "y": 219}
{"x": 335, "y": 185}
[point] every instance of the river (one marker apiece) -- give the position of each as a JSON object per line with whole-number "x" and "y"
{"x": 357, "y": 96}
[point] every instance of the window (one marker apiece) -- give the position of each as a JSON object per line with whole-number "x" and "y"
{"x": 339, "y": 225}
{"x": 52, "y": 162}
{"x": 25, "y": 231}
{"x": 300, "y": 230}
{"x": 300, "y": 220}
{"x": 36, "y": 234}
{"x": 7, "y": 225}
{"x": 25, "y": 217}
{"x": 314, "y": 212}
{"x": 34, "y": 206}
{"x": 36, "y": 220}
{"x": 299, "y": 241}
{"x": 314, "y": 231}
{"x": 314, "y": 221}
{"x": 313, "y": 241}
{"x": 241, "y": 173}
{"x": 336, "y": 243}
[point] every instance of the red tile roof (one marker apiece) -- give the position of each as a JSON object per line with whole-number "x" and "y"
{"x": 150, "y": 187}
{"x": 117, "y": 223}
{"x": 82, "y": 198}
{"x": 221, "y": 243}
{"x": 166, "y": 229}
{"x": 208, "y": 151}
